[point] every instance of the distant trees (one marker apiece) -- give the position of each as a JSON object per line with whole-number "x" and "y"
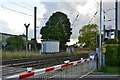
{"x": 15, "y": 43}
{"x": 88, "y": 35}
{"x": 57, "y": 28}
{"x": 32, "y": 47}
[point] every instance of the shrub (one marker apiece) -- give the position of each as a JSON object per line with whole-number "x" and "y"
{"x": 112, "y": 54}
{"x": 111, "y": 41}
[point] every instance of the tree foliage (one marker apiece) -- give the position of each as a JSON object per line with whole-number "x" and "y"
{"x": 15, "y": 43}
{"x": 112, "y": 55}
{"x": 57, "y": 28}
{"x": 88, "y": 35}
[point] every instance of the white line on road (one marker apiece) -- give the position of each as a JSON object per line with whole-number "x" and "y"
{"x": 54, "y": 76}
{"x": 74, "y": 75}
{"x": 86, "y": 74}
{"x": 104, "y": 75}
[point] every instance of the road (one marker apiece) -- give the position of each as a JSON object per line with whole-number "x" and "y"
{"x": 100, "y": 76}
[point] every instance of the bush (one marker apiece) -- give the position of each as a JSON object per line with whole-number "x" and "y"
{"x": 111, "y": 41}
{"x": 112, "y": 55}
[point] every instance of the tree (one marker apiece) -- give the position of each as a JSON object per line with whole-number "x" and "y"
{"x": 15, "y": 43}
{"x": 88, "y": 35}
{"x": 57, "y": 28}
{"x": 31, "y": 42}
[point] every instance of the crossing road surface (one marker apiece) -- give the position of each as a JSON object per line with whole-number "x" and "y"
{"x": 101, "y": 77}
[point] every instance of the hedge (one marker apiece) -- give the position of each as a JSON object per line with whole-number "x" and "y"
{"x": 112, "y": 55}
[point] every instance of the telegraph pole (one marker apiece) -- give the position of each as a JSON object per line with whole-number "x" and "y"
{"x": 35, "y": 12}
{"x": 116, "y": 19}
{"x": 26, "y": 26}
{"x": 100, "y": 41}
{"x": 104, "y": 28}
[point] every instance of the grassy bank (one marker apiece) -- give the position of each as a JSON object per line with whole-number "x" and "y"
{"x": 16, "y": 55}
{"x": 109, "y": 70}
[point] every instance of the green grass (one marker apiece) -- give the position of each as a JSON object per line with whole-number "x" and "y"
{"x": 109, "y": 70}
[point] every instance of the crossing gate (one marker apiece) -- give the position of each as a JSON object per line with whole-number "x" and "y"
{"x": 73, "y": 69}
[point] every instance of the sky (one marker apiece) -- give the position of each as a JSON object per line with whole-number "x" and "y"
{"x": 15, "y": 13}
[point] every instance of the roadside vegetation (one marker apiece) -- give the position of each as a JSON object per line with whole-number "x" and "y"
{"x": 109, "y": 70}
{"x": 112, "y": 58}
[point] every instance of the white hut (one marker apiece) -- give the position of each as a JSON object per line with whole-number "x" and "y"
{"x": 49, "y": 46}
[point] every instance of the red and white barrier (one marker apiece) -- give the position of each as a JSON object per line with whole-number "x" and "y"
{"x": 49, "y": 69}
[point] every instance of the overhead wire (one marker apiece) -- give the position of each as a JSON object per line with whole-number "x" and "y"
{"x": 93, "y": 17}
{"x": 75, "y": 19}
{"x": 72, "y": 11}
{"x": 25, "y": 3}
{"x": 21, "y": 12}
{"x": 104, "y": 12}
{"x": 16, "y": 11}
{"x": 79, "y": 14}
{"x": 19, "y": 5}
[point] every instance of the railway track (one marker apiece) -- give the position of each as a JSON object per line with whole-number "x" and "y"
{"x": 19, "y": 65}
{"x": 40, "y": 60}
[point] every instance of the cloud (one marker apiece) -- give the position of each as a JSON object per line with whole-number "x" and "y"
{"x": 70, "y": 9}
{"x": 87, "y": 9}
{"x": 14, "y": 21}
{"x": 44, "y": 10}
{"x": 74, "y": 0}
{"x": 4, "y": 27}
{"x": 14, "y": 17}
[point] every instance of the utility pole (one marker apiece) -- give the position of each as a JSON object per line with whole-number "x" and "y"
{"x": 104, "y": 28}
{"x": 35, "y": 12}
{"x": 26, "y": 26}
{"x": 100, "y": 41}
{"x": 116, "y": 19}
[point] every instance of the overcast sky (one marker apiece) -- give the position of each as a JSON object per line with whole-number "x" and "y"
{"x": 14, "y": 13}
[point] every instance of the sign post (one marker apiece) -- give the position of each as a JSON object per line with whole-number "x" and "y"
{"x": 4, "y": 43}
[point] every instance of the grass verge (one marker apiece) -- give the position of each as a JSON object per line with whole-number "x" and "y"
{"x": 17, "y": 55}
{"x": 109, "y": 70}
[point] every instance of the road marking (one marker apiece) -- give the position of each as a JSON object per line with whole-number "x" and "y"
{"x": 86, "y": 74}
{"x": 104, "y": 75}
{"x": 54, "y": 76}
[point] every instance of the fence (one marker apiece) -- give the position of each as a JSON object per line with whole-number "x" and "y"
{"x": 68, "y": 70}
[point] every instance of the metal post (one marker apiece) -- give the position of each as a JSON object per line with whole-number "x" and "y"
{"x": 35, "y": 10}
{"x": 96, "y": 49}
{"x": 116, "y": 19}
{"x": 104, "y": 28}
{"x": 96, "y": 39}
{"x": 26, "y": 36}
{"x": 100, "y": 42}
